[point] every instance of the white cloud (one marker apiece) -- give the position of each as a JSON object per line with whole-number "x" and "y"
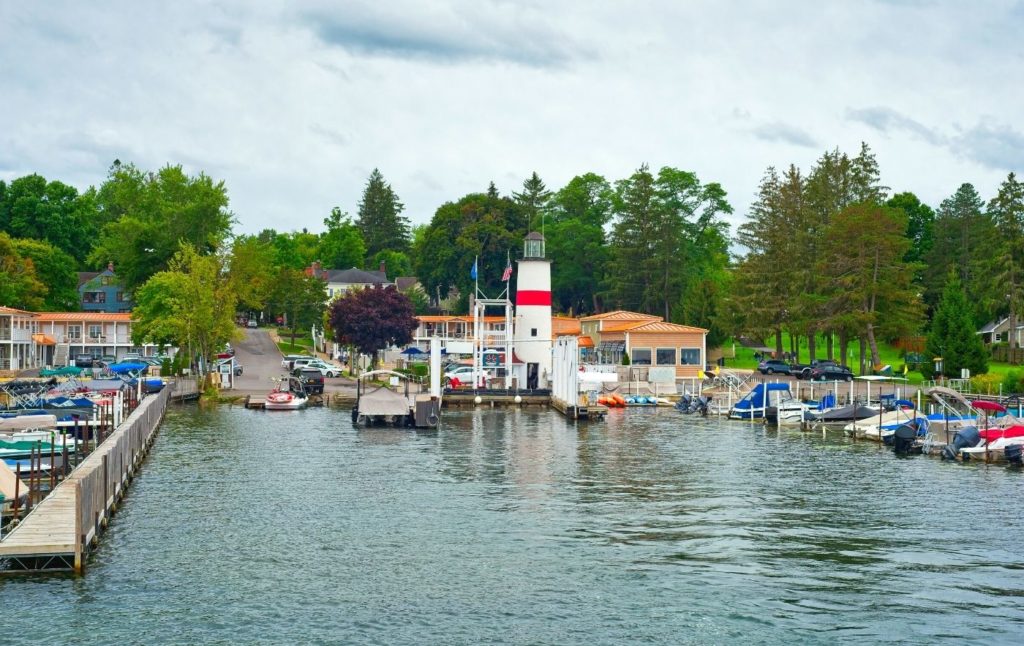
{"x": 293, "y": 106}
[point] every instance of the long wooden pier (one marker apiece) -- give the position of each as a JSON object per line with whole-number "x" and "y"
{"x": 59, "y": 531}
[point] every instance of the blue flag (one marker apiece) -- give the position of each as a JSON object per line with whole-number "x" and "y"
{"x": 472, "y": 272}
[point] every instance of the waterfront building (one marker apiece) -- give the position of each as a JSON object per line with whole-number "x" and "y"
{"x": 339, "y": 281}
{"x": 17, "y": 349}
{"x": 102, "y": 291}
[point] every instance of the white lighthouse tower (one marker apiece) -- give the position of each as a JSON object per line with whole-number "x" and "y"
{"x": 533, "y": 313}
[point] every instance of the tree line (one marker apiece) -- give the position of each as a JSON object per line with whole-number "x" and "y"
{"x": 827, "y": 253}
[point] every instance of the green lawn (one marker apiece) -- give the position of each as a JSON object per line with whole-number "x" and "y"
{"x": 301, "y": 346}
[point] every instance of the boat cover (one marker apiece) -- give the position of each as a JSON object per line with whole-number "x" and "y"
{"x": 846, "y": 414}
{"x": 23, "y": 422}
{"x": 383, "y": 401}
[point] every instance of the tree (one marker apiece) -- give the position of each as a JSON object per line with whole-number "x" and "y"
{"x": 953, "y": 335}
{"x": 20, "y": 287}
{"x": 395, "y": 263}
{"x": 576, "y": 242}
{"x": 920, "y": 231}
{"x": 150, "y": 215}
{"x": 372, "y": 319}
{"x": 869, "y": 284}
{"x": 380, "y": 217}
{"x": 1007, "y": 213}
{"x": 52, "y": 211}
{"x": 341, "y": 246}
{"x": 301, "y": 298}
{"x": 190, "y": 305}
{"x": 963, "y": 237}
{"x": 533, "y": 202}
{"x": 251, "y": 272}
{"x": 56, "y": 270}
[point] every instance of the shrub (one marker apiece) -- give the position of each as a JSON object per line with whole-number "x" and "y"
{"x": 1012, "y": 382}
{"x": 985, "y": 384}
{"x": 165, "y": 368}
{"x": 625, "y": 359}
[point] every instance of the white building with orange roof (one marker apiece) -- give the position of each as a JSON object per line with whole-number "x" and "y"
{"x": 17, "y": 349}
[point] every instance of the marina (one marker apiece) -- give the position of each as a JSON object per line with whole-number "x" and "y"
{"x": 511, "y": 525}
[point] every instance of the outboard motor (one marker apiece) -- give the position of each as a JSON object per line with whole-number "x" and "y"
{"x": 1014, "y": 454}
{"x": 683, "y": 405}
{"x": 964, "y": 438}
{"x": 903, "y": 439}
{"x": 700, "y": 405}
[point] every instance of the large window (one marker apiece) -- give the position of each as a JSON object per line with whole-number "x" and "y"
{"x": 665, "y": 357}
{"x": 689, "y": 356}
{"x": 95, "y": 331}
{"x": 94, "y": 297}
{"x": 640, "y": 357}
{"x": 75, "y": 331}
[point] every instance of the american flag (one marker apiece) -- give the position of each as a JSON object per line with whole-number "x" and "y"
{"x": 508, "y": 272}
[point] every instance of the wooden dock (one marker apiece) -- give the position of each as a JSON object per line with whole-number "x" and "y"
{"x": 573, "y": 411}
{"x": 59, "y": 531}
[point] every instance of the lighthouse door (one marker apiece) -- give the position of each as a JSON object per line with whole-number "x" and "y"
{"x": 531, "y": 375}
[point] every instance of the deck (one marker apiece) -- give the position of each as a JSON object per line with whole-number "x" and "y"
{"x": 61, "y": 529}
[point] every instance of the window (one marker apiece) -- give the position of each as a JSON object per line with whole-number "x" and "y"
{"x": 106, "y": 280}
{"x": 533, "y": 331}
{"x": 75, "y": 331}
{"x": 689, "y": 356}
{"x": 665, "y": 357}
{"x": 94, "y": 297}
{"x": 124, "y": 297}
{"x": 95, "y": 331}
{"x": 641, "y": 357}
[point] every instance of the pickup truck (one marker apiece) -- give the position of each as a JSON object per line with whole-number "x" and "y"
{"x": 803, "y": 370}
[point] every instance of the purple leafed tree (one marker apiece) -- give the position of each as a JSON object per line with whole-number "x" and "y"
{"x": 372, "y": 319}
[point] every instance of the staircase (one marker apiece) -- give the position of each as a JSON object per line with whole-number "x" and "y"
{"x": 60, "y": 355}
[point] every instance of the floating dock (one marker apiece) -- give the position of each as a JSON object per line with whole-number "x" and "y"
{"x": 59, "y": 532}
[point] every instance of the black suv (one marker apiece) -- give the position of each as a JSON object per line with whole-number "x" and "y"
{"x": 312, "y": 379}
{"x": 769, "y": 366}
{"x": 804, "y": 371}
{"x": 84, "y": 360}
{"x": 831, "y": 372}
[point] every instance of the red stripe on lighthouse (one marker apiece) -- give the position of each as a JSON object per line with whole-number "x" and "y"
{"x": 533, "y": 297}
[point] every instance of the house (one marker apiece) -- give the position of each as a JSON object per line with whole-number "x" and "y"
{"x": 102, "y": 291}
{"x": 340, "y": 281}
{"x": 17, "y": 349}
{"x": 999, "y": 331}
{"x": 648, "y": 340}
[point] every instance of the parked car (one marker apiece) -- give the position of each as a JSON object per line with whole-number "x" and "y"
{"x": 803, "y": 371}
{"x": 286, "y": 362}
{"x": 311, "y": 379}
{"x": 831, "y": 373}
{"x": 326, "y": 369}
{"x": 770, "y": 366}
{"x": 465, "y": 375}
{"x": 83, "y": 361}
{"x": 252, "y": 323}
{"x": 301, "y": 362}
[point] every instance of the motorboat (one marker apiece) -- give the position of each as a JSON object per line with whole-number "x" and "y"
{"x": 392, "y": 403}
{"x": 289, "y": 394}
{"x": 788, "y": 412}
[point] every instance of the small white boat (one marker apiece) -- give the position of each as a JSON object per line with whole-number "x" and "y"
{"x": 288, "y": 395}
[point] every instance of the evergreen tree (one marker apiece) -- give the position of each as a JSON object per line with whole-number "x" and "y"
{"x": 953, "y": 335}
{"x": 920, "y": 231}
{"x": 380, "y": 218}
{"x": 1007, "y": 213}
{"x": 576, "y": 243}
{"x": 534, "y": 201}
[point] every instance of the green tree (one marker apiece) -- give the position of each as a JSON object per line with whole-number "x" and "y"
{"x": 963, "y": 241}
{"x": 20, "y": 287}
{"x": 372, "y": 319}
{"x": 380, "y": 217}
{"x": 576, "y": 244}
{"x": 395, "y": 263}
{"x": 533, "y": 202}
{"x": 251, "y": 272}
{"x": 1006, "y": 211}
{"x": 300, "y": 298}
{"x": 191, "y": 305}
{"x": 869, "y": 284}
{"x": 953, "y": 335}
{"x": 920, "y": 231}
{"x": 341, "y": 245}
{"x": 56, "y": 270}
{"x": 52, "y": 211}
{"x": 150, "y": 215}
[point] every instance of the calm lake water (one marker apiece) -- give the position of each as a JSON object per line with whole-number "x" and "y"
{"x": 519, "y": 527}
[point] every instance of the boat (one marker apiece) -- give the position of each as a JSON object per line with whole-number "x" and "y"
{"x": 289, "y": 394}
{"x": 763, "y": 395}
{"x": 788, "y": 412}
{"x": 383, "y": 404}
{"x": 848, "y": 413}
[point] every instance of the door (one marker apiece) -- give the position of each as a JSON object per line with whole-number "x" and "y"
{"x": 531, "y": 375}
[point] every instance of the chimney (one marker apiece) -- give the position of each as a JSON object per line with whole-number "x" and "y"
{"x": 110, "y": 266}
{"x": 382, "y": 268}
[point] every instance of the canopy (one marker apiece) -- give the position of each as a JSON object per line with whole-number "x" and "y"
{"x": 66, "y": 371}
{"x": 413, "y": 350}
{"x": 987, "y": 406}
{"x": 121, "y": 368}
{"x": 44, "y": 339}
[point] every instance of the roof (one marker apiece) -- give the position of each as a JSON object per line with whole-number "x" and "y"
{"x": 11, "y": 310}
{"x": 533, "y": 235}
{"x": 561, "y": 325}
{"x": 586, "y": 342}
{"x": 353, "y": 276}
{"x": 406, "y": 282}
{"x": 993, "y": 326}
{"x": 450, "y": 318}
{"x": 620, "y": 315}
{"x": 86, "y": 276}
{"x": 624, "y": 326}
{"x": 125, "y": 317}
{"x": 663, "y": 327}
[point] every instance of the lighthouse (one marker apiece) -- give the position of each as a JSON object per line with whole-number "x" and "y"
{"x": 533, "y": 313}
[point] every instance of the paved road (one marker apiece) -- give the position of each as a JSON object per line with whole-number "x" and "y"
{"x": 261, "y": 363}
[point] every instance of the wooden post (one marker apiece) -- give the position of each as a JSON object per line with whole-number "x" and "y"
{"x": 17, "y": 487}
{"x": 78, "y": 527}
{"x": 64, "y": 461}
{"x": 53, "y": 462}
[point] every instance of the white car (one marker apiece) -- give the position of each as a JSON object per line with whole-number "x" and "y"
{"x": 465, "y": 375}
{"x": 326, "y": 369}
{"x": 286, "y": 363}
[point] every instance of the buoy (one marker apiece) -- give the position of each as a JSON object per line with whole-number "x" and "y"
{"x": 518, "y": 399}
{"x": 478, "y": 399}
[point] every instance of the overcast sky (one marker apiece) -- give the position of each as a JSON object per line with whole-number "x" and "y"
{"x": 293, "y": 104}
